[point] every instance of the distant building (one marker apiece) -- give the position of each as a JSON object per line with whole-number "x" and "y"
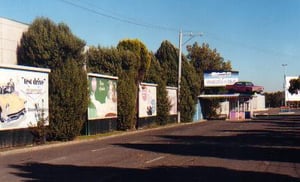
{"x": 10, "y": 35}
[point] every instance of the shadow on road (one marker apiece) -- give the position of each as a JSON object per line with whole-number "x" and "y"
{"x": 48, "y": 172}
{"x": 279, "y": 144}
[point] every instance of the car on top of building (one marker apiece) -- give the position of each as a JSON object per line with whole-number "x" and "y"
{"x": 244, "y": 87}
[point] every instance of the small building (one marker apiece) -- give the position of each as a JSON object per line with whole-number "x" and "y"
{"x": 237, "y": 106}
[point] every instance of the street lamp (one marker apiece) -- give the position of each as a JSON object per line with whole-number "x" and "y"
{"x": 284, "y": 83}
{"x": 181, "y": 34}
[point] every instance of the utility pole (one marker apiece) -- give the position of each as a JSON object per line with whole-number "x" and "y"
{"x": 181, "y": 34}
{"x": 284, "y": 83}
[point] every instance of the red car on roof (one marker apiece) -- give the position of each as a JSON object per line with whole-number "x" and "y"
{"x": 244, "y": 87}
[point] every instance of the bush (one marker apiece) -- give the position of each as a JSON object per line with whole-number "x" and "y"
{"x": 68, "y": 101}
{"x": 126, "y": 102}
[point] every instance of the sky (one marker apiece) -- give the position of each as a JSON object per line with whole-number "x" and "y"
{"x": 257, "y": 36}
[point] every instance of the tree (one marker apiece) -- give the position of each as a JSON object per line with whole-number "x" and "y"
{"x": 167, "y": 56}
{"x": 104, "y": 60}
{"x": 126, "y": 102}
{"x": 155, "y": 75}
{"x": 121, "y": 63}
{"x": 69, "y": 100}
{"x": 143, "y": 59}
{"x": 140, "y": 64}
{"x": 190, "y": 87}
{"x": 203, "y": 58}
{"x": 48, "y": 45}
{"x": 294, "y": 86}
{"x": 274, "y": 99}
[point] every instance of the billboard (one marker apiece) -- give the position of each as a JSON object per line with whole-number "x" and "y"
{"x": 23, "y": 96}
{"x": 220, "y": 78}
{"x": 103, "y": 97}
{"x": 147, "y": 100}
{"x": 288, "y": 95}
{"x": 172, "y": 96}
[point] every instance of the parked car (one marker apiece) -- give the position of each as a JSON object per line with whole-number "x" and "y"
{"x": 244, "y": 87}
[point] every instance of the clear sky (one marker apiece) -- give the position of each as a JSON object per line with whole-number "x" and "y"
{"x": 257, "y": 36}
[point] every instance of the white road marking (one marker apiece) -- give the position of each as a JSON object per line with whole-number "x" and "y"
{"x": 156, "y": 159}
{"x": 100, "y": 149}
{"x": 56, "y": 159}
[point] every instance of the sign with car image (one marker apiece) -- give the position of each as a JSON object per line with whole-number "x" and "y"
{"x": 23, "y": 96}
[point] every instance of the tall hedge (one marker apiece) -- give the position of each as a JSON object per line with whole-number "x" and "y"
{"x": 167, "y": 55}
{"x": 126, "y": 102}
{"x": 138, "y": 69}
{"x": 68, "y": 103}
{"x": 155, "y": 75}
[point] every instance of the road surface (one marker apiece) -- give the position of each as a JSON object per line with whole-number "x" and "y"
{"x": 208, "y": 151}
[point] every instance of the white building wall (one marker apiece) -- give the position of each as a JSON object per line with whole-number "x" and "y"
{"x": 258, "y": 102}
{"x": 10, "y": 36}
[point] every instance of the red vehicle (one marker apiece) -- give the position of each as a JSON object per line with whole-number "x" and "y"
{"x": 244, "y": 87}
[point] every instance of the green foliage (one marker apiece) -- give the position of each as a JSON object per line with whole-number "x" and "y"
{"x": 294, "y": 86}
{"x": 203, "y": 58}
{"x": 209, "y": 107}
{"x": 40, "y": 130}
{"x": 142, "y": 61}
{"x": 168, "y": 59}
{"x": 126, "y": 102}
{"x": 190, "y": 89}
{"x": 187, "y": 102}
{"x": 68, "y": 101}
{"x": 48, "y": 45}
{"x": 167, "y": 55}
{"x": 163, "y": 104}
{"x": 130, "y": 62}
{"x": 137, "y": 69}
{"x": 104, "y": 60}
{"x": 274, "y": 99}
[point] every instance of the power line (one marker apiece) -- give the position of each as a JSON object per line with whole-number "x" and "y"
{"x": 92, "y": 8}
{"x": 118, "y": 18}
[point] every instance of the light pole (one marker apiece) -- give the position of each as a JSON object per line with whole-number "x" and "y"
{"x": 181, "y": 34}
{"x": 284, "y": 83}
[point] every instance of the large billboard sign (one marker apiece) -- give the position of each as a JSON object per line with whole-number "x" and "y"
{"x": 288, "y": 95}
{"x": 172, "y": 96}
{"x": 103, "y": 96}
{"x": 23, "y": 96}
{"x": 147, "y": 100}
{"x": 220, "y": 78}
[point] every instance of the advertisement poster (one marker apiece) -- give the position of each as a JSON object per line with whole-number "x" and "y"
{"x": 172, "y": 96}
{"x": 288, "y": 95}
{"x": 220, "y": 79}
{"x": 103, "y": 98}
{"x": 23, "y": 98}
{"x": 147, "y": 100}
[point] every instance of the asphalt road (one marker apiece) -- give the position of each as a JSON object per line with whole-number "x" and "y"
{"x": 209, "y": 151}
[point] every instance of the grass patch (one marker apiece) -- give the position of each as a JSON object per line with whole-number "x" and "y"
{"x": 100, "y": 135}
